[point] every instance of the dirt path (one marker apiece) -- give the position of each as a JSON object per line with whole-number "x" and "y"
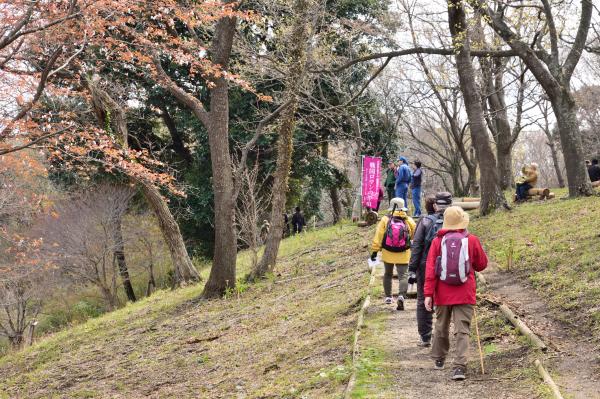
{"x": 413, "y": 368}
{"x": 575, "y": 360}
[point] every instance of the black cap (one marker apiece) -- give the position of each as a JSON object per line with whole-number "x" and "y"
{"x": 443, "y": 198}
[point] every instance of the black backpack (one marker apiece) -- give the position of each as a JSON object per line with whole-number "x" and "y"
{"x": 436, "y": 225}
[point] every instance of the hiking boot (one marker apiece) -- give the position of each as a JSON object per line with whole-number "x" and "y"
{"x": 458, "y": 374}
{"x": 400, "y": 303}
{"x": 439, "y": 364}
{"x": 388, "y": 300}
{"x": 424, "y": 343}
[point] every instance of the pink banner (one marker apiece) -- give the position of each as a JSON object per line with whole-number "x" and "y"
{"x": 371, "y": 176}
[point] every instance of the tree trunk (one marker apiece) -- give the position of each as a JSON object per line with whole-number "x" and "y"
{"x": 334, "y": 193}
{"x": 565, "y": 110}
{"x": 505, "y": 170}
{"x": 182, "y": 264}
{"x": 554, "y": 152}
{"x": 297, "y": 59}
{"x": 336, "y": 204}
{"x": 491, "y": 194}
{"x": 16, "y": 341}
{"x": 176, "y": 137}
{"x": 119, "y": 254}
{"x": 223, "y": 273}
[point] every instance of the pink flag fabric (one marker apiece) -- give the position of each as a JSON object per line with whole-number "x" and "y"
{"x": 371, "y": 177}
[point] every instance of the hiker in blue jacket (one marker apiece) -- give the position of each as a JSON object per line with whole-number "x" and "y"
{"x": 403, "y": 180}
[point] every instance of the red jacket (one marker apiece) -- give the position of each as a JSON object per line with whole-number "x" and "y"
{"x": 445, "y": 294}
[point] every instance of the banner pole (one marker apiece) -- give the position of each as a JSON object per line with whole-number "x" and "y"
{"x": 362, "y": 181}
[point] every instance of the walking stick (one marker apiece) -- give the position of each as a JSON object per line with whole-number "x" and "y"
{"x": 478, "y": 340}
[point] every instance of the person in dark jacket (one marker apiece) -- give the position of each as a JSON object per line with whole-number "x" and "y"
{"x": 417, "y": 178}
{"x": 594, "y": 172}
{"x": 418, "y": 259}
{"x": 298, "y": 222}
{"x": 403, "y": 180}
{"x": 390, "y": 181}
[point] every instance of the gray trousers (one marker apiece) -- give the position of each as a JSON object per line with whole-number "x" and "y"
{"x": 424, "y": 318}
{"x": 401, "y": 270}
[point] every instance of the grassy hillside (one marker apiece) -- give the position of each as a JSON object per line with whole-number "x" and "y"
{"x": 288, "y": 336}
{"x": 555, "y": 246}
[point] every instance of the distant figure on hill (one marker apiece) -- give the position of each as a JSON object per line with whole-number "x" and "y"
{"x": 403, "y": 180}
{"x": 417, "y": 178}
{"x": 427, "y": 229}
{"x": 527, "y": 180}
{"x": 594, "y": 172}
{"x": 390, "y": 180}
{"x": 298, "y": 221}
{"x": 393, "y": 238}
{"x": 453, "y": 258}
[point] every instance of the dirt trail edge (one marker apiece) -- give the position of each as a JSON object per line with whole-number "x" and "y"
{"x": 412, "y": 367}
{"x": 574, "y": 358}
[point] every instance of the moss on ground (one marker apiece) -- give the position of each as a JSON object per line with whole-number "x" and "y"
{"x": 286, "y": 336}
{"x": 374, "y": 376}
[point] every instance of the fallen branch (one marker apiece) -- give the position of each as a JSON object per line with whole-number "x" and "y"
{"x": 523, "y": 329}
{"x": 548, "y": 380}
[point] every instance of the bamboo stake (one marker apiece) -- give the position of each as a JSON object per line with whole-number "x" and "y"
{"x": 478, "y": 339}
{"x": 355, "y": 345}
{"x": 522, "y": 327}
{"x": 548, "y": 379}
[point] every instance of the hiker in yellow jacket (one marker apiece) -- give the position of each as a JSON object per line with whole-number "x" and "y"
{"x": 393, "y": 238}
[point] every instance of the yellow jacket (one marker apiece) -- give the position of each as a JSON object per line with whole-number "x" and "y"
{"x": 387, "y": 256}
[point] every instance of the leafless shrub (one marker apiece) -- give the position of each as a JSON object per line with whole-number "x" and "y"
{"x": 250, "y": 212}
{"x": 78, "y": 237}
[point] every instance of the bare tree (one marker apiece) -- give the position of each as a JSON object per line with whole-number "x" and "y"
{"x": 251, "y": 211}
{"x": 553, "y": 75}
{"x": 492, "y": 196}
{"x": 79, "y": 236}
{"x": 22, "y": 191}
{"x": 552, "y": 139}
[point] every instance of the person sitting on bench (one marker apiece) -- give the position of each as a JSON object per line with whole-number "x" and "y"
{"x": 526, "y": 181}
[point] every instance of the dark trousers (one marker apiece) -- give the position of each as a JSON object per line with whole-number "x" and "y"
{"x": 522, "y": 190}
{"x": 390, "y": 192}
{"x": 424, "y": 318}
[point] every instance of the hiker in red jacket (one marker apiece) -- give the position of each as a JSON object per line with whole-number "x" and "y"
{"x": 453, "y": 258}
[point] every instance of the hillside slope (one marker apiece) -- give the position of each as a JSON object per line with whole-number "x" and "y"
{"x": 554, "y": 247}
{"x": 288, "y": 336}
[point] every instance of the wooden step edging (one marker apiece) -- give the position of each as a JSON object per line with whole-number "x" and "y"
{"x": 548, "y": 379}
{"x": 532, "y": 337}
{"x": 523, "y": 329}
{"x": 359, "y": 325}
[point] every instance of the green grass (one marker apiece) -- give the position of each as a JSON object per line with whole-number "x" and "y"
{"x": 374, "y": 377}
{"x": 288, "y": 335}
{"x": 554, "y": 245}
